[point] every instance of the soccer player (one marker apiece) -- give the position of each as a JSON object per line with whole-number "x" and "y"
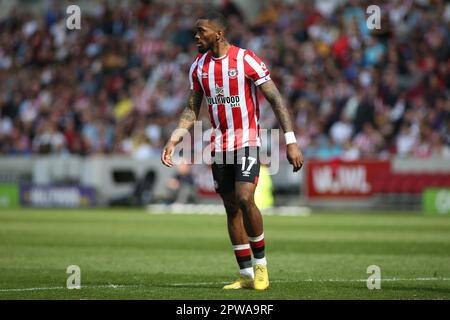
{"x": 227, "y": 76}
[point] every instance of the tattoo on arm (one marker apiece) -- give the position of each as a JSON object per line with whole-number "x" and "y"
{"x": 272, "y": 95}
{"x": 188, "y": 116}
{"x": 193, "y": 109}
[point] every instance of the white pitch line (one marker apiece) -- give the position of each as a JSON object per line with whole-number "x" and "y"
{"x": 32, "y": 289}
{"x": 317, "y": 280}
{"x": 115, "y": 286}
{"x": 108, "y": 286}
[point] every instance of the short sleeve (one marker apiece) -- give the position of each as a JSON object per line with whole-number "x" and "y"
{"x": 193, "y": 77}
{"x": 255, "y": 68}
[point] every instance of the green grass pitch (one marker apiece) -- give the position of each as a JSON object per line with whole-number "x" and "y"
{"x": 130, "y": 254}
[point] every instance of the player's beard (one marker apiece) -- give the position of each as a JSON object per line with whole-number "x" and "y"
{"x": 202, "y": 49}
{"x": 202, "y": 46}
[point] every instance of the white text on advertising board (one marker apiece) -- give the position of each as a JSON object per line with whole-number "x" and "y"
{"x": 347, "y": 179}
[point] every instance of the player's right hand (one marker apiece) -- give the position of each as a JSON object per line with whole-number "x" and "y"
{"x": 166, "y": 155}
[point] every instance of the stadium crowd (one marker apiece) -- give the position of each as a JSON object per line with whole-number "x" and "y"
{"x": 119, "y": 84}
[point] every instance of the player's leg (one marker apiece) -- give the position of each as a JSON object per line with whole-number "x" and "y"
{"x": 239, "y": 240}
{"x": 224, "y": 183}
{"x": 254, "y": 226}
{"x": 253, "y": 221}
{"x": 246, "y": 176}
{"x": 235, "y": 223}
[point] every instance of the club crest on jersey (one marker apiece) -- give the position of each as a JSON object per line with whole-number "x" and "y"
{"x": 204, "y": 75}
{"x": 232, "y": 73}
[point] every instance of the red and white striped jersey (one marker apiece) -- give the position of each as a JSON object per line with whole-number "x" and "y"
{"x": 229, "y": 86}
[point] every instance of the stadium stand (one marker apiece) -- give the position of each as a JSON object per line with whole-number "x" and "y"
{"x": 117, "y": 85}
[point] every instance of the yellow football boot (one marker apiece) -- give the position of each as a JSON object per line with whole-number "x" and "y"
{"x": 261, "y": 281}
{"x": 244, "y": 282}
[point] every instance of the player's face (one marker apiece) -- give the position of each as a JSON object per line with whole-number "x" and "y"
{"x": 206, "y": 35}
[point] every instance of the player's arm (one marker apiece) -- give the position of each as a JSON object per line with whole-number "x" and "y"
{"x": 270, "y": 91}
{"x": 187, "y": 119}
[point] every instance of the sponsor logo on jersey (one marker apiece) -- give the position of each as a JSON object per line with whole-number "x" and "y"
{"x": 233, "y": 101}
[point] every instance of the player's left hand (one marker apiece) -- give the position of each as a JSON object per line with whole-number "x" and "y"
{"x": 294, "y": 156}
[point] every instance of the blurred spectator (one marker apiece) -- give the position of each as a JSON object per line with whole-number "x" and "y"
{"x": 140, "y": 148}
{"x": 368, "y": 141}
{"x": 341, "y": 131}
{"x": 406, "y": 139}
{"x": 439, "y": 149}
{"x": 49, "y": 140}
{"x": 350, "y": 152}
{"x": 181, "y": 186}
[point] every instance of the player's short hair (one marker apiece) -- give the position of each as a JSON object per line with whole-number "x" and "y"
{"x": 216, "y": 17}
